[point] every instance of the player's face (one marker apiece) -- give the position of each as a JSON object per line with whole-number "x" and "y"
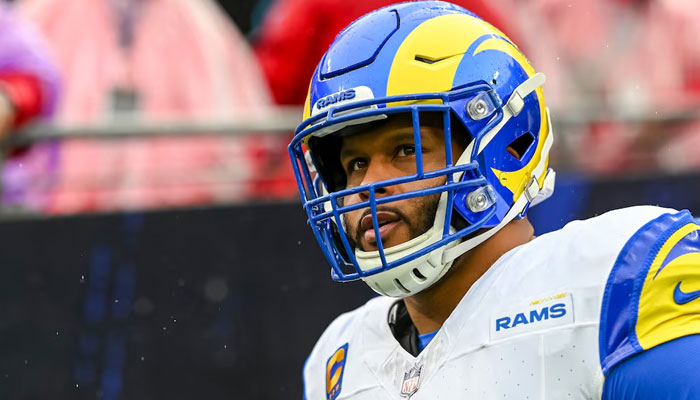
{"x": 385, "y": 153}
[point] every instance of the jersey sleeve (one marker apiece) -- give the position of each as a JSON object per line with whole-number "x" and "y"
{"x": 652, "y": 295}
{"x": 325, "y": 367}
{"x": 665, "y": 372}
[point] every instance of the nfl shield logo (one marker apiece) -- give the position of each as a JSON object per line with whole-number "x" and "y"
{"x": 411, "y": 382}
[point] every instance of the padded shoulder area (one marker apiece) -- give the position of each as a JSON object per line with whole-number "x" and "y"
{"x": 584, "y": 249}
{"x": 338, "y": 347}
{"x": 652, "y": 295}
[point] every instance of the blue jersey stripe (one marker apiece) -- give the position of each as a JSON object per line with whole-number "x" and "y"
{"x": 617, "y": 336}
{"x": 666, "y": 372}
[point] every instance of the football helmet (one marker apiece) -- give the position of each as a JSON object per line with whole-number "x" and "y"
{"x": 417, "y": 59}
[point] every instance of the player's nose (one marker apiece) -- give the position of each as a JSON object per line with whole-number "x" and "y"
{"x": 377, "y": 172}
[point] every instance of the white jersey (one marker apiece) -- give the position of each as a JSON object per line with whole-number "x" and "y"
{"x": 529, "y": 328}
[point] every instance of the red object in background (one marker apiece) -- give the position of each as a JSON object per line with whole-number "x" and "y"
{"x": 24, "y": 92}
{"x": 158, "y": 61}
{"x": 296, "y": 33}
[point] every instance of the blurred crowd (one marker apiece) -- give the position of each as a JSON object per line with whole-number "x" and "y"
{"x": 629, "y": 69}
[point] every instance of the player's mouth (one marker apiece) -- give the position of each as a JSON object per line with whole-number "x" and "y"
{"x": 388, "y": 221}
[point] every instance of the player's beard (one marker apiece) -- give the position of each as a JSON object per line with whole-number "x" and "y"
{"x": 424, "y": 210}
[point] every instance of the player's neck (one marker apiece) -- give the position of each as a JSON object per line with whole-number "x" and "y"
{"x": 430, "y": 308}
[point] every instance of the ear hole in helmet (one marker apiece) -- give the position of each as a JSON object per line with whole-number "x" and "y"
{"x": 518, "y": 147}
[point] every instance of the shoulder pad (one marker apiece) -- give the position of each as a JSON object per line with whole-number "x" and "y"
{"x": 652, "y": 295}
{"x": 324, "y": 370}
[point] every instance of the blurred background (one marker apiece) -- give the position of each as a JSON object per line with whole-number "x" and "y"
{"x": 152, "y": 237}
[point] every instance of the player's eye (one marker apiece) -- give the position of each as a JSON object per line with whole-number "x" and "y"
{"x": 357, "y": 164}
{"x": 406, "y": 150}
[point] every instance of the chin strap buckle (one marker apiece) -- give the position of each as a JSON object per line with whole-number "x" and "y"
{"x": 547, "y": 188}
{"x": 532, "y": 189}
{"x": 515, "y": 104}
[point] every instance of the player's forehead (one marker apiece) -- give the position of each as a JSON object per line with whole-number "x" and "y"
{"x": 394, "y": 130}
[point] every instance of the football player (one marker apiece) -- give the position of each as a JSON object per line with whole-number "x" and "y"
{"x": 424, "y": 143}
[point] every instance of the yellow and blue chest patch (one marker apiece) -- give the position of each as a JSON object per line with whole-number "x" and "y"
{"x": 335, "y": 368}
{"x": 653, "y": 292}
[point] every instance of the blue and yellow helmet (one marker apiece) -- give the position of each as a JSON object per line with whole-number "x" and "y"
{"x": 416, "y": 58}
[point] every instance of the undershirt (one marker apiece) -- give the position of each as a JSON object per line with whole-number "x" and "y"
{"x": 424, "y": 340}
